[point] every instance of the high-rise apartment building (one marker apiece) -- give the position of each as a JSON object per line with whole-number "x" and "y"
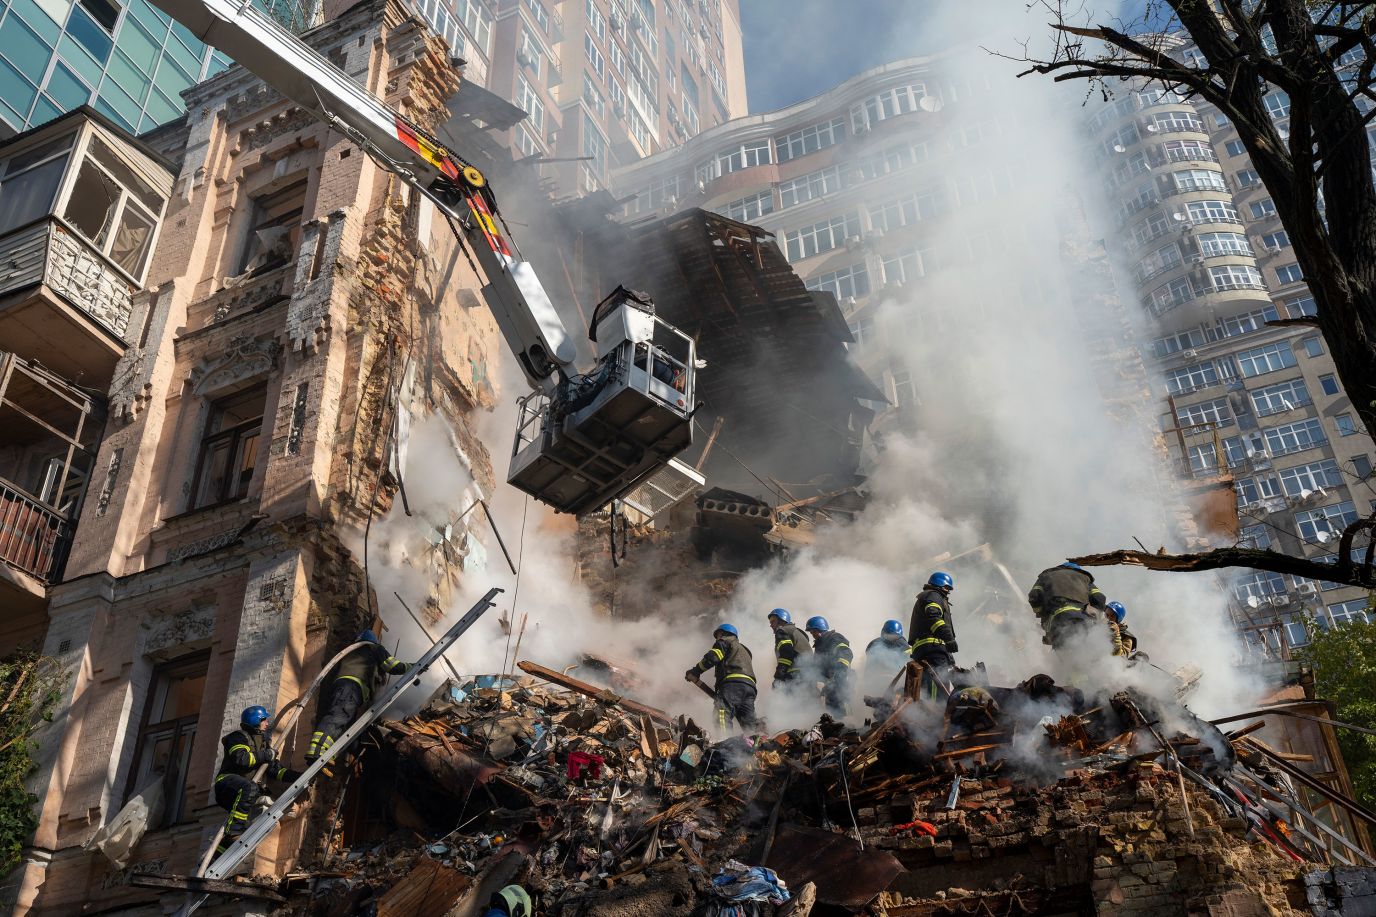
{"x": 1212, "y": 266}
{"x": 604, "y": 82}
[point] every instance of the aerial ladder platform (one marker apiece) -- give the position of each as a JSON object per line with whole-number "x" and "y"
{"x": 257, "y": 831}
{"x": 584, "y": 438}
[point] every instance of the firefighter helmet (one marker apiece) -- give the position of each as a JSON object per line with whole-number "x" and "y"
{"x": 817, "y": 623}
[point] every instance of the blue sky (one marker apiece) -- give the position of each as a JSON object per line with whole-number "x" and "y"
{"x": 795, "y": 49}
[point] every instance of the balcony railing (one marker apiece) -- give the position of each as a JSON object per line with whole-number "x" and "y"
{"x": 1199, "y": 155}
{"x": 33, "y": 538}
{"x": 47, "y": 251}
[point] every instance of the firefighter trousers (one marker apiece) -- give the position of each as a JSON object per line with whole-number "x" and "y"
{"x": 940, "y": 663}
{"x": 235, "y": 794}
{"x": 735, "y": 701}
{"x": 341, "y": 707}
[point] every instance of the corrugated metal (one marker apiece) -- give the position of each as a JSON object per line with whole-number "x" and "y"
{"x": 22, "y": 255}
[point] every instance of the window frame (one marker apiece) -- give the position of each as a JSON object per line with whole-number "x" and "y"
{"x": 235, "y": 435}
{"x": 197, "y": 663}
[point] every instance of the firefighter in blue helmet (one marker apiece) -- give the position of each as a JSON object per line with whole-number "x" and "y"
{"x": 356, "y": 678}
{"x": 245, "y": 750}
{"x": 1067, "y": 602}
{"x": 885, "y": 655}
{"x": 734, "y": 694}
{"x": 1124, "y": 641}
{"x": 834, "y": 658}
{"x": 791, "y": 649}
{"x": 932, "y": 632}
{"x": 512, "y": 901}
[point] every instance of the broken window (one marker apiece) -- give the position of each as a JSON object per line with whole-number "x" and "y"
{"x": 274, "y": 229}
{"x": 113, "y": 209}
{"x": 168, "y": 730}
{"x": 229, "y": 449}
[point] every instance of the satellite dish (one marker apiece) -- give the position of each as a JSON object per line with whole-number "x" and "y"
{"x": 929, "y": 103}
{"x": 1323, "y": 537}
{"x": 1253, "y": 601}
{"x": 1178, "y": 216}
{"x": 1119, "y": 148}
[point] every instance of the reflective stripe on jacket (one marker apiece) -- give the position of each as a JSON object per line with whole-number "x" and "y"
{"x": 731, "y": 660}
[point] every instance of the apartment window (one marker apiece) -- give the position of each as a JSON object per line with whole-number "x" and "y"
{"x": 1275, "y": 240}
{"x": 477, "y": 18}
{"x": 888, "y": 104}
{"x": 1300, "y": 306}
{"x": 1262, "y": 209}
{"x": 1257, "y": 537}
{"x": 1118, "y": 142}
{"x": 1145, "y": 198}
{"x": 1295, "y": 437}
{"x": 1235, "y": 277}
{"x": 1236, "y": 450}
{"x": 1207, "y": 412}
{"x": 1235, "y": 147}
{"x": 1346, "y": 425}
{"x": 116, "y": 215}
{"x": 594, "y": 147}
{"x": 1169, "y": 295}
{"x": 168, "y": 730}
{"x": 862, "y": 329}
{"x": 891, "y": 159}
{"x": 1295, "y": 481}
{"x": 1130, "y": 168}
{"x": 1277, "y": 104}
{"x": 617, "y": 57}
{"x": 1247, "y": 322}
{"x": 531, "y": 55}
{"x": 274, "y": 229}
{"x": 229, "y": 448}
{"x": 1152, "y": 227}
{"x": 597, "y": 23}
{"x": 1284, "y": 396}
{"x": 1297, "y": 629}
{"x": 1190, "y": 378}
{"x": 821, "y": 237}
{"x": 1223, "y": 243}
{"x": 1174, "y": 343}
{"x": 1246, "y": 178}
{"x": 810, "y": 139}
{"x": 1175, "y": 122}
{"x": 29, "y": 183}
{"x": 924, "y": 205}
{"x": 595, "y": 99}
{"x": 904, "y": 391}
{"x": 1349, "y": 612}
{"x": 1188, "y": 151}
{"x": 596, "y": 61}
{"x": 539, "y": 14}
{"x": 848, "y": 282}
{"x": 811, "y": 186}
{"x": 1260, "y": 584}
{"x": 904, "y": 268}
{"x": 1289, "y": 273}
{"x": 1328, "y": 521}
{"x": 526, "y": 142}
{"x": 1329, "y": 384}
{"x": 751, "y": 153}
{"x": 1361, "y": 466}
{"x": 751, "y": 208}
{"x": 1211, "y": 212}
{"x": 1255, "y": 490}
{"x": 528, "y": 99}
{"x": 1199, "y": 180}
{"x": 1312, "y": 347}
{"x": 660, "y": 194}
{"x": 1203, "y": 459}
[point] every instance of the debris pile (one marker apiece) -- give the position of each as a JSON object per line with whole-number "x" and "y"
{"x": 601, "y": 805}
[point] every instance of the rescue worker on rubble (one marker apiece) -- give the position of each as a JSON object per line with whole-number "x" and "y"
{"x": 512, "y": 901}
{"x": 246, "y": 749}
{"x": 357, "y": 677}
{"x": 791, "y": 647}
{"x": 1067, "y": 602}
{"x": 734, "y": 694}
{"x": 834, "y": 658}
{"x": 884, "y": 656}
{"x": 1124, "y": 641}
{"x": 933, "y": 633}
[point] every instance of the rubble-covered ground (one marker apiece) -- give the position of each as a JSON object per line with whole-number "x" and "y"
{"x": 604, "y": 807}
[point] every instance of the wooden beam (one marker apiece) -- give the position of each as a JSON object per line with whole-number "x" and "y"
{"x": 199, "y": 885}
{"x": 605, "y": 695}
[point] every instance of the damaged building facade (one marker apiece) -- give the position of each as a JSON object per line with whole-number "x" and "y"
{"x": 244, "y": 325}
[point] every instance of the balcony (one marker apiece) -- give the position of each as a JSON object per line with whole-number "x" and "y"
{"x": 49, "y": 430}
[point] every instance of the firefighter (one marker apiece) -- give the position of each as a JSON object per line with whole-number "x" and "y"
{"x": 791, "y": 646}
{"x": 512, "y": 901}
{"x": 1124, "y": 641}
{"x": 1067, "y": 602}
{"x": 834, "y": 658}
{"x": 246, "y": 748}
{"x": 735, "y": 688}
{"x": 359, "y": 674}
{"x": 884, "y": 656}
{"x": 933, "y": 633}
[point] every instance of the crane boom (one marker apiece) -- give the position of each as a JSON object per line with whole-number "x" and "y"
{"x": 583, "y": 439}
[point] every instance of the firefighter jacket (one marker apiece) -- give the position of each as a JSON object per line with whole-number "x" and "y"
{"x": 892, "y": 644}
{"x": 932, "y": 628}
{"x": 790, "y": 646}
{"x": 1062, "y": 589}
{"x": 245, "y": 750}
{"x": 731, "y": 660}
{"x": 1124, "y": 642}
{"x": 368, "y": 666}
{"x": 833, "y": 654}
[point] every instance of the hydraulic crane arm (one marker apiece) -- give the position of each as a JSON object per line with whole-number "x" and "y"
{"x": 524, "y": 312}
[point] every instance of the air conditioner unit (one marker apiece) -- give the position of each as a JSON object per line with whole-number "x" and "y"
{"x": 1280, "y": 600}
{"x": 1272, "y": 249}
{"x": 524, "y": 59}
{"x": 1190, "y": 354}
{"x": 1307, "y": 588}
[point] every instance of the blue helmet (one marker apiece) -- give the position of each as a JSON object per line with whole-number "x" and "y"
{"x": 941, "y": 580}
{"x": 726, "y": 629}
{"x": 1119, "y": 612}
{"x": 817, "y": 623}
{"x": 893, "y": 627}
{"x": 1074, "y": 566}
{"x": 782, "y": 614}
{"x": 254, "y": 716}
{"x": 366, "y": 636}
